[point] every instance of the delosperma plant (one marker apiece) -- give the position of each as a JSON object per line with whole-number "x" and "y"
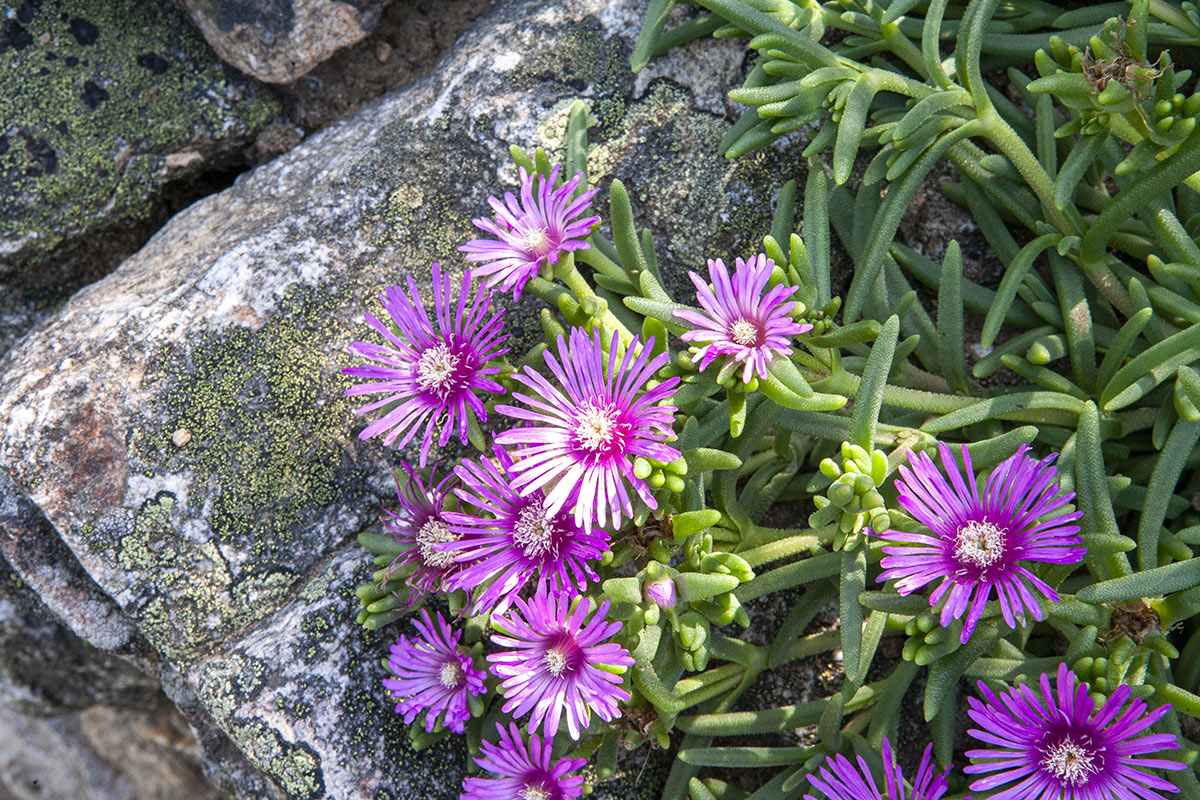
{"x": 1016, "y": 506}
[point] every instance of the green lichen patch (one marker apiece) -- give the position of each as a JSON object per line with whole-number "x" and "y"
{"x": 264, "y": 425}
{"x": 186, "y": 596}
{"x": 582, "y": 58}
{"x": 292, "y": 765}
{"x": 105, "y": 100}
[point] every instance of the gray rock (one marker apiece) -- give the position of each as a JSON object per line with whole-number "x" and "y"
{"x": 111, "y": 112}
{"x": 128, "y": 754}
{"x": 277, "y": 41}
{"x": 180, "y": 425}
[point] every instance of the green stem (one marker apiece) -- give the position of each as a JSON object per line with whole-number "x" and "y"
{"x": 1008, "y": 142}
{"x": 782, "y": 548}
{"x": 846, "y": 383}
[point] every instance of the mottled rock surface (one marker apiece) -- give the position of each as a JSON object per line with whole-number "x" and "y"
{"x": 277, "y": 41}
{"x": 115, "y": 114}
{"x": 185, "y": 479}
{"x": 105, "y": 103}
{"x": 127, "y": 754}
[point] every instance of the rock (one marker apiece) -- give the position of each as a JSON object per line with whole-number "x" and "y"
{"x": 230, "y": 551}
{"x": 277, "y": 41}
{"x": 111, "y": 110}
{"x": 128, "y": 754}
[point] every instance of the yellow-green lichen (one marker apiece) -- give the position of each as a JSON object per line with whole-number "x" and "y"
{"x": 98, "y": 95}
{"x": 266, "y": 431}
{"x": 192, "y": 597}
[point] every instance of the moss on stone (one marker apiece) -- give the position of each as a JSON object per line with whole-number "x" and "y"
{"x": 98, "y": 94}
{"x": 185, "y": 594}
{"x": 263, "y": 427}
{"x": 292, "y": 765}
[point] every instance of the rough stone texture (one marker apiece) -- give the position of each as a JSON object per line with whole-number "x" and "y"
{"x": 277, "y": 41}
{"x": 143, "y": 754}
{"x": 105, "y": 102}
{"x": 223, "y": 558}
{"x": 115, "y": 114}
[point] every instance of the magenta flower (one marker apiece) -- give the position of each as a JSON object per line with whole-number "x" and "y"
{"x": 433, "y": 675}
{"x": 515, "y": 537}
{"x": 420, "y": 524}
{"x": 584, "y": 437}
{"x": 535, "y": 231}
{"x": 740, "y": 322}
{"x": 526, "y": 773}
{"x": 428, "y": 373}
{"x": 559, "y": 662}
{"x": 838, "y": 779}
{"x": 976, "y": 544}
{"x": 1051, "y": 747}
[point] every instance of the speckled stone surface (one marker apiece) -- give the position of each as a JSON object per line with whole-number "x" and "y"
{"x": 106, "y": 103}
{"x": 179, "y": 428}
{"x": 277, "y": 41}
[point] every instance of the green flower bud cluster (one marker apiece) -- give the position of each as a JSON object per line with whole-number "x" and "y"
{"x": 853, "y": 499}
{"x": 928, "y": 640}
{"x": 690, "y": 599}
{"x": 661, "y": 475}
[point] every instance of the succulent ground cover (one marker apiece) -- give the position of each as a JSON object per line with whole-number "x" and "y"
{"x": 1019, "y": 512}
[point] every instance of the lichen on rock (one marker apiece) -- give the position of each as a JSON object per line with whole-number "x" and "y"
{"x": 181, "y": 424}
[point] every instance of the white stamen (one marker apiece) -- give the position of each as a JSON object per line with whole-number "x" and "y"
{"x": 979, "y": 544}
{"x": 532, "y": 792}
{"x": 1070, "y": 763}
{"x": 534, "y": 531}
{"x": 436, "y": 368}
{"x": 536, "y": 241}
{"x": 556, "y": 661}
{"x": 744, "y": 332}
{"x": 596, "y": 426}
{"x": 451, "y": 674}
{"x": 435, "y": 532}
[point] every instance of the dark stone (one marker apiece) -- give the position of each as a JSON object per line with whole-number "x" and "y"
{"x": 14, "y": 36}
{"x": 43, "y": 156}
{"x": 110, "y": 138}
{"x": 154, "y": 62}
{"x": 84, "y": 32}
{"x": 93, "y": 95}
{"x": 277, "y": 41}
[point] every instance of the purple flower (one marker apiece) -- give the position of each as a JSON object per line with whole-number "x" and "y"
{"x": 526, "y": 772}
{"x": 428, "y": 373}
{"x": 433, "y": 675}
{"x": 532, "y": 232}
{"x": 839, "y": 780}
{"x": 1051, "y": 747}
{"x": 559, "y": 662}
{"x": 514, "y": 538}
{"x": 584, "y": 441}
{"x": 741, "y": 322}
{"x": 977, "y": 543}
{"x": 420, "y": 524}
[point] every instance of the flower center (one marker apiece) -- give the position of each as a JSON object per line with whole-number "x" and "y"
{"x": 744, "y": 332}
{"x": 595, "y": 426}
{"x": 534, "y": 531}
{"x": 436, "y": 369}
{"x": 979, "y": 544}
{"x": 555, "y": 661}
{"x": 435, "y": 532}
{"x": 1069, "y": 762}
{"x": 535, "y": 791}
{"x": 451, "y": 674}
{"x": 536, "y": 241}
